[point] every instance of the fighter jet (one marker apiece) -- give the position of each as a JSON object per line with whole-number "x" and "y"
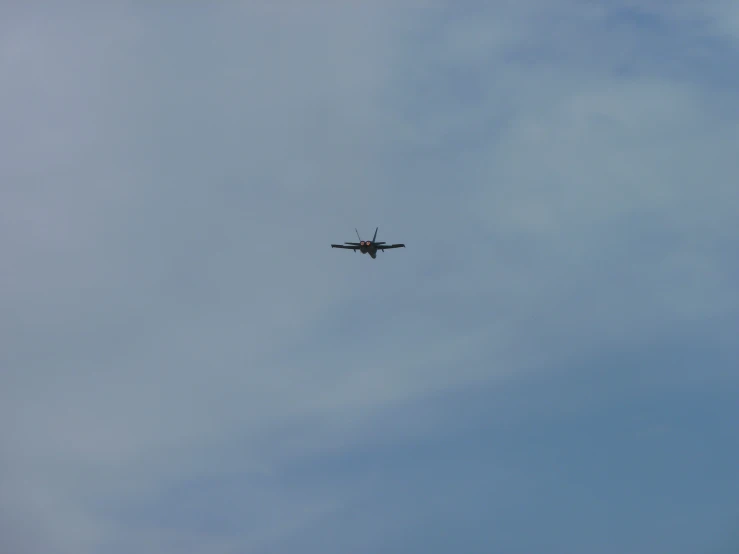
{"x": 367, "y": 246}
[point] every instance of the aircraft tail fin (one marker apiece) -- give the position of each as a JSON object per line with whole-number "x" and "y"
{"x": 373, "y": 238}
{"x": 360, "y": 238}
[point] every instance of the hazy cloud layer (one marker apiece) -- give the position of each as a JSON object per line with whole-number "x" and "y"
{"x": 551, "y": 364}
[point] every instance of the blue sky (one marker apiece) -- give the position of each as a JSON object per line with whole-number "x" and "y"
{"x": 550, "y": 366}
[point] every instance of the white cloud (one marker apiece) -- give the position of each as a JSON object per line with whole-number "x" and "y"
{"x": 173, "y": 183}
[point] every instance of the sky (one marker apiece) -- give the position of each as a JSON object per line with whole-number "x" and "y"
{"x": 551, "y": 364}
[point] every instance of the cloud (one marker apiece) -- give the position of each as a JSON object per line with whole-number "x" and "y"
{"x": 174, "y": 320}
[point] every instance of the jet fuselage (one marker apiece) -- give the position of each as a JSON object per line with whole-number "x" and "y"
{"x": 368, "y": 248}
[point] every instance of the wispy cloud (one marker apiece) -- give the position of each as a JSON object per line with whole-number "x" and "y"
{"x": 183, "y": 356}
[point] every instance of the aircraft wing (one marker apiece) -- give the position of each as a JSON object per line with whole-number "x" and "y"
{"x": 346, "y": 247}
{"x": 387, "y": 246}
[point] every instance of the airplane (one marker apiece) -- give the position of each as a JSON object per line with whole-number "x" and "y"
{"x": 368, "y": 246}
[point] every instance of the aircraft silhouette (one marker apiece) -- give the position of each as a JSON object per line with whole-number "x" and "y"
{"x": 367, "y": 246}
